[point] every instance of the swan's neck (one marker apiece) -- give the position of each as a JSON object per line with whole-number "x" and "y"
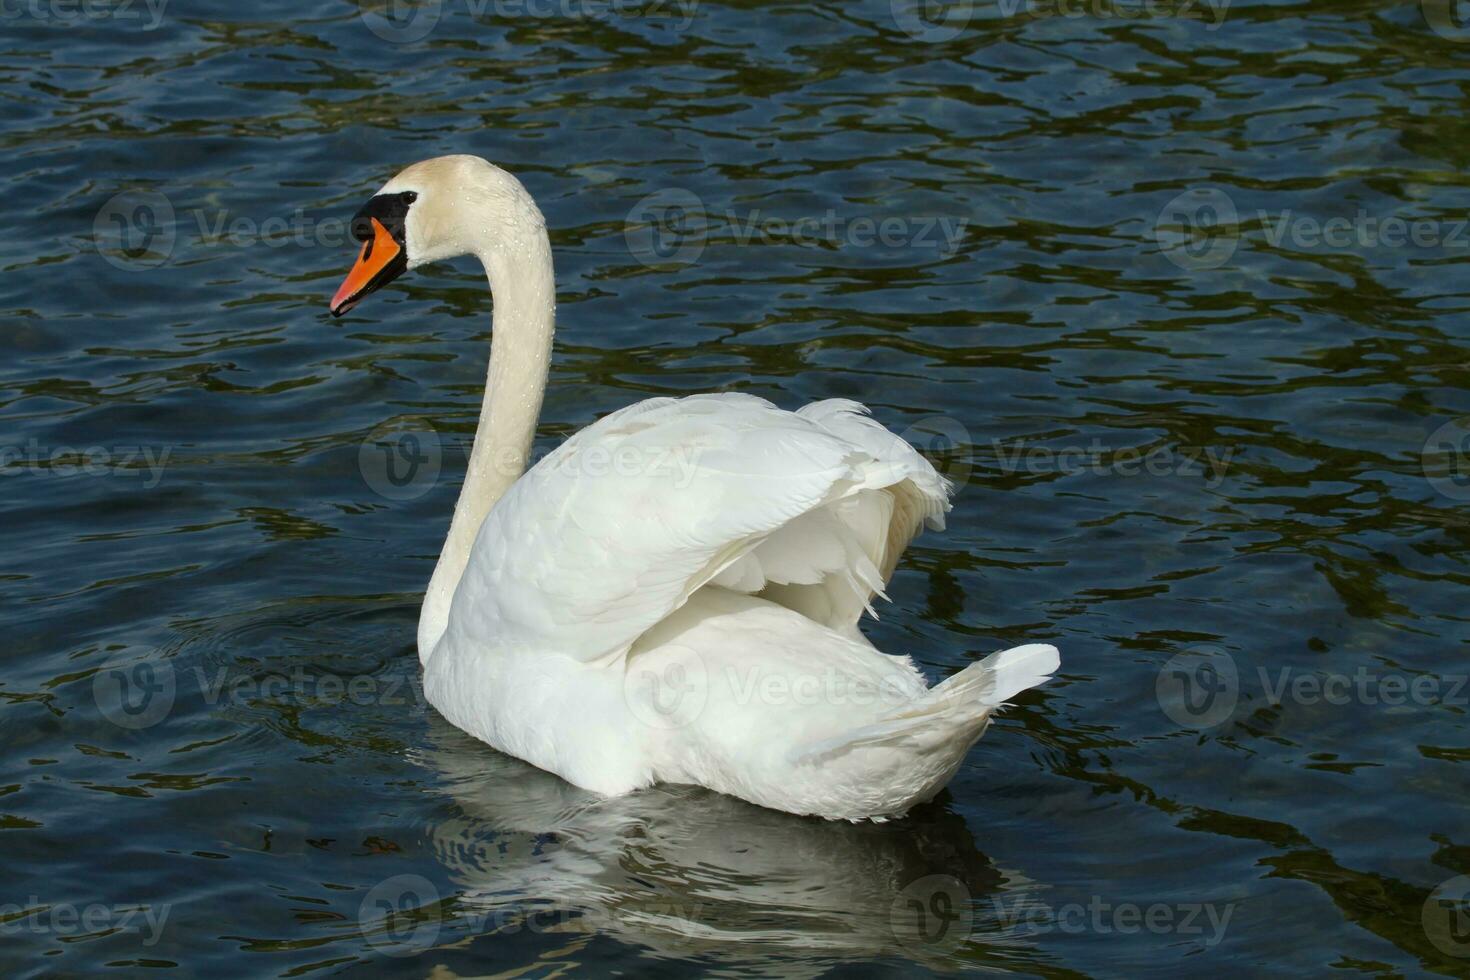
{"x": 524, "y": 291}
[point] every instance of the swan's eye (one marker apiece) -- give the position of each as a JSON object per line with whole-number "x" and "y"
{"x": 391, "y": 210}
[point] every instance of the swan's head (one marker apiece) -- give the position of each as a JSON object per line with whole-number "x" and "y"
{"x": 433, "y": 210}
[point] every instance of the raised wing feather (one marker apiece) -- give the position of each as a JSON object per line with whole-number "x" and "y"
{"x": 615, "y": 529}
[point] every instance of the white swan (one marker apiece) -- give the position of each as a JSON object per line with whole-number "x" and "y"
{"x": 673, "y": 594}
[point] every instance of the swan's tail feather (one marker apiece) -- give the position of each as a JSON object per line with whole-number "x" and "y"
{"x": 1001, "y": 676}
{"x": 952, "y": 715}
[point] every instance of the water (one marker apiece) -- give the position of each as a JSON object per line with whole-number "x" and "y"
{"x": 1142, "y": 294}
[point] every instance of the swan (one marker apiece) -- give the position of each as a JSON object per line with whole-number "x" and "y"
{"x": 672, "y": 595}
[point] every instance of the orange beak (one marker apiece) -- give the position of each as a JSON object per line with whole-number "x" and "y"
{"x": 380, "y": 261}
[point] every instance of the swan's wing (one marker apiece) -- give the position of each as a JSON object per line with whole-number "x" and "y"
{"x": 828, "y": 563}
{"x": 615, "y": 530}
{"x": 921, "y": 497}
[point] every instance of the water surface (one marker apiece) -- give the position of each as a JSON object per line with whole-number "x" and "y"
{"x": 1140, "y": 291}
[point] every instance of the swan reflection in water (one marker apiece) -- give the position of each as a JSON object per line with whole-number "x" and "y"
{"x": 687, "y": 872}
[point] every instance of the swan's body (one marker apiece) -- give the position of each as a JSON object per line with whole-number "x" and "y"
{"x": 673, "y": 594}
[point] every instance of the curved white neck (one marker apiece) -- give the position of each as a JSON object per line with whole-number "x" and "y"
{"x": 524, "y": 291}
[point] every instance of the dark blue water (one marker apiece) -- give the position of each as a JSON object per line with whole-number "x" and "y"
{"x": 1175, "y": 293}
